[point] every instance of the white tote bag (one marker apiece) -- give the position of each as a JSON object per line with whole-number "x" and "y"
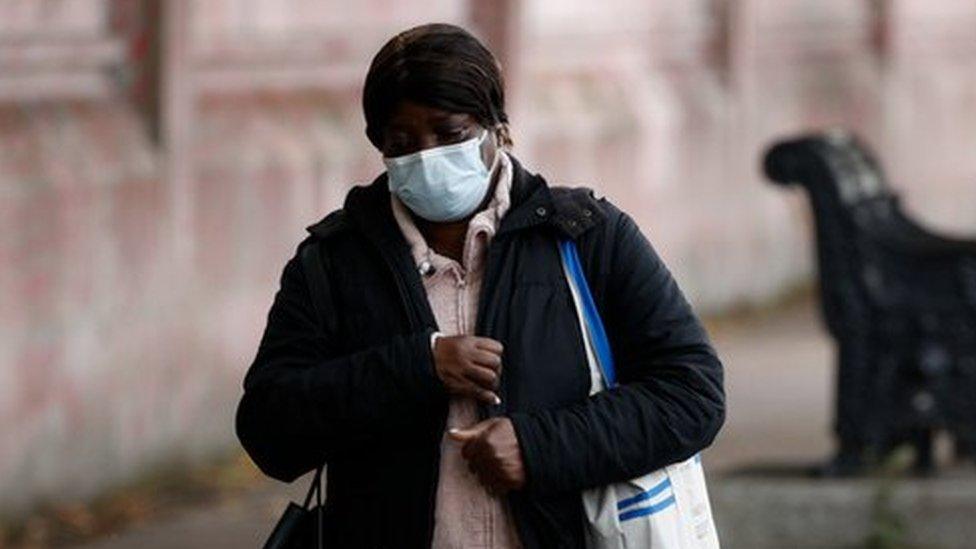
{"x": 664, "y": 509}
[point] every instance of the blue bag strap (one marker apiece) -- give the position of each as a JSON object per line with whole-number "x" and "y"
{"x": 591, "y": 315}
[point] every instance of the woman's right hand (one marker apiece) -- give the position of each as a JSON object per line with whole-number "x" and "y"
{"x": 469, "y": 366}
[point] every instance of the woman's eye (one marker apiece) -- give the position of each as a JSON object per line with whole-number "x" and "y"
{"x": 451, "y": 136}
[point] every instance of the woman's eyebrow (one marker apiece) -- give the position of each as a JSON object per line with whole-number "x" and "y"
{"x": 448, "y": 117}
{"x": 449, "y": 124}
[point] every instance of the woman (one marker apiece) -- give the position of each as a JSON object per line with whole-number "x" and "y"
{"x": 443, "y": 379}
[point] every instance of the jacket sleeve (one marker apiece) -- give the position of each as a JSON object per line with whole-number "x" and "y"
{"x": 304, "y": 404}
{"x": 669, "y": 402}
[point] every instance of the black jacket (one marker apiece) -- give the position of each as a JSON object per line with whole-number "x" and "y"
{"x": 355, "y": 386}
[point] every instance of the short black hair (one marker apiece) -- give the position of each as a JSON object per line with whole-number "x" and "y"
{"x": 438, "y": 65}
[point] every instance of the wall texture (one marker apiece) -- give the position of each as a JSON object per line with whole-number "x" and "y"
{"x": 159, "y": 160}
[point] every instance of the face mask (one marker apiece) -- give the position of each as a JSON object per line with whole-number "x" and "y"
{"x": 441, "y": 183}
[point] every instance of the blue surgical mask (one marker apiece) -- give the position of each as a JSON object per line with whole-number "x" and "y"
{"x": 441, "y": 183}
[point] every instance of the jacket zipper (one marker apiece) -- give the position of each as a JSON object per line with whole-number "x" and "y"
{"x": 485, "y": 411}
{"x": 486, "y": 290}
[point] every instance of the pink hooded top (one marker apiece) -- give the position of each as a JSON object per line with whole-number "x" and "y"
{"x": 466, "y": 516}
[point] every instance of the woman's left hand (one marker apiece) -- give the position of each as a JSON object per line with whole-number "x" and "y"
{"x": 493, "y": 453}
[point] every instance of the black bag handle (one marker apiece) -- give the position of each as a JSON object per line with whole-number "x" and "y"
{"x": 291, "y": 530}
{"x": 315, "y": 488}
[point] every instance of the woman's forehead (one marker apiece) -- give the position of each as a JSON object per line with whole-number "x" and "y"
{"x": 411, "y": 114}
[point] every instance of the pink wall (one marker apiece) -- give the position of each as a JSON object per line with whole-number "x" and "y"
{"x": 135, "y": 275}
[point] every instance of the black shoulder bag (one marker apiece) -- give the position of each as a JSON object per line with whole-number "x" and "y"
{"x": 300, "y": 527}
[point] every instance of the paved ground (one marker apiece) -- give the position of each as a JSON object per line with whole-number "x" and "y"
{"x": 239, "y": 523}
{"x": 779, "y": 372}
{"x": 779, "y": 384}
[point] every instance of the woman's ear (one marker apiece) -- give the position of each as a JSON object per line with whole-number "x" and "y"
{"x": 503, "y": 139}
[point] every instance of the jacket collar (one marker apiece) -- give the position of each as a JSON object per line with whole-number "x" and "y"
{"x": 534, "y": 204}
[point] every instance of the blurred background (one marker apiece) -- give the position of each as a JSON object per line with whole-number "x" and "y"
{"x": 159, "y": 161}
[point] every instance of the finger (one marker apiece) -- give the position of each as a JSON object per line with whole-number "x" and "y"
{"x": 459, "y": 386}
{"x": 489, "y": 344}
{"x": 462, "y": 435}
{"x": 484, "y": 395}
{"x": 487, "y": 358}
{"x": 470, "y": 433}
{"x": 489, "y": 397}
{"x": 472, "y": 452}
{"x": 483, "y": 377}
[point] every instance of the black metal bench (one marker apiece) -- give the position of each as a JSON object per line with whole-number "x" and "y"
{"x": 899, "y": 300}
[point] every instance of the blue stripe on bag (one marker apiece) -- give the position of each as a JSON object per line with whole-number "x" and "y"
{"x": 649, "y": 510}
{"x": 601, "y": 345}
{"x": 644, "y": 496}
